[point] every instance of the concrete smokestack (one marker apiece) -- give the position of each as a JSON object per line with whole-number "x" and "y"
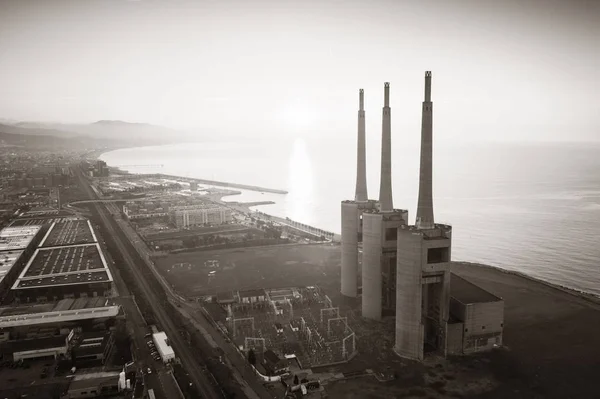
{"x": 425, "y": 204}
{"x": 385, "y": 187}
{"x": 361, "y": 164}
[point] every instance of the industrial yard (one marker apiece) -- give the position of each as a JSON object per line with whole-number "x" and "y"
{"x": 299, "y": 323}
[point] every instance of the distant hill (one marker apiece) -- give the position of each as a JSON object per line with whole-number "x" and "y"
{"x": 114, "y": 132}
{"x": 32, "y": 130}
{"x": 32, "y": 141}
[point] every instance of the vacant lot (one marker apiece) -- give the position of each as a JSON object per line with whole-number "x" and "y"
{"x": 262, "y": 267}
{"x": 178, "y": 234}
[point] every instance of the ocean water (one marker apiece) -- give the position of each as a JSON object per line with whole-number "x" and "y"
{"x": 532, "y": 208}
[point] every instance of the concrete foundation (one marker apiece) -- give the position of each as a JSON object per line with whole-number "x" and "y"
{"x": 352, "y": 227}
{"x": 379, "y": 251}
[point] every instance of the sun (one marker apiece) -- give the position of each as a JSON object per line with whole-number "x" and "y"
{"x": 298, "y": 115}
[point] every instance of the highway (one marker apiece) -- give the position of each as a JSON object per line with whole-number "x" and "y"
{"x": 181, "y": 348}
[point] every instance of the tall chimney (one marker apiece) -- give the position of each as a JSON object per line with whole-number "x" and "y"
{"x": 361, "y": 166}
{"x": 425, "y": 204}
{"x": 385, "y": 187}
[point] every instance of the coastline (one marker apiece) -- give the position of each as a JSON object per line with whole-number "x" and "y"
{"x": 588, "y": 296}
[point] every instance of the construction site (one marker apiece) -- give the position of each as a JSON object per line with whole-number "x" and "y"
{"x": 295, "y": 323}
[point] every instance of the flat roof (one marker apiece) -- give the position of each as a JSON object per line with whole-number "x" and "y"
{"x": 35, "y": 221}
{"x": 93, "y": 380}
{"x": 58, "y": 317}
{"x": 7, "y": 261}
{"x": 99, "y": 374}
{"x": 33, "y": 344}
{"x": 69, "y": 232}
{"x": 74, "y": 264}
{"x": 466, "y": 292}
{"x": 17, "y": 237}
{"x": 58, "y": 306}
{"x": 45, "y": 212}
{"x": 251, "y": 293}
{"x": 160, "y": 340}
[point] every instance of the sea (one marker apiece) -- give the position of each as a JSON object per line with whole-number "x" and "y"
{"x": 533, "y": 208}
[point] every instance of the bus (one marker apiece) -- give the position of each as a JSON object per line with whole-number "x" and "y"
{"x": 151, "y": 394}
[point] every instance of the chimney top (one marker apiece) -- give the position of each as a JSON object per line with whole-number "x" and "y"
{"x": 427, "y": 86}
{"x": 361, "y": 99}
{"x": 386, "y": 90}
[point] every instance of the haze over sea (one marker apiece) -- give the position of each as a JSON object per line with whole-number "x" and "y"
{"x": 530, "y": 207}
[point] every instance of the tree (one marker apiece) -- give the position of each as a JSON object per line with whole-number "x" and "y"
{"x": 296, "y": 382}
{"x": 251, "y": 357}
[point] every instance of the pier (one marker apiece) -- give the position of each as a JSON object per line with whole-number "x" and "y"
{"x": 297, "y": 226}
{"x": 216, "y": 183}
{"x": 223, "y": 184}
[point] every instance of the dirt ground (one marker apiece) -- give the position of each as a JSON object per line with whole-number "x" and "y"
{"x": 551, "y": 337}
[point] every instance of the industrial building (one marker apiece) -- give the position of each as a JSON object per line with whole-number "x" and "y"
{"x": 94, "y": 385}
{"x": 39, "y": 348}
{"x": 70, "y": 231}
{"x": 79, "y": 347}
{"x": 374, "y": 224}
{"x": 71, "y": 271}
{"x": 352, "y": 223}
{"x": 17, "y": 243}
{"x": 58, "y": 318}
{"x": 163, "y": 346}
{"x": 134, "y": 210}
{"x": 199, "y": 214}
{"x": 76, "y": 329}
{"x": 91, "y": 346}
{"x": 476, "y": 318}
{"x": 406, "y": 267}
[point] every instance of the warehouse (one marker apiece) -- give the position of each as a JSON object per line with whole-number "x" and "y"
{"x": 69, "y": 232}
{"x": 164, "y": 348}
{"x": 38, "y": 348}
{"x": 16, "y": 245}
{"x": 64, "y": 272}
{"x": 42, "y": 320}
{"x": 476, "y": 318}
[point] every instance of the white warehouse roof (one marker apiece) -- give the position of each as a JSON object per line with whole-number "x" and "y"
{"x": 164, "y": 349}
{"x": 17, "y": 237}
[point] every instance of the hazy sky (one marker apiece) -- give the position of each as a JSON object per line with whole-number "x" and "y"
{"x": 507, "y": 70}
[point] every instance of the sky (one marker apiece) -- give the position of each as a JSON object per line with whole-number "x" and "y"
{"x": 511, "y": 70}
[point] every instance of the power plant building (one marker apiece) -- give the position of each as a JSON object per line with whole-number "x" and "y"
{"x": 379, "y": 230}
{"x": 407, "y": 268}
{"x": 352, "y": 210}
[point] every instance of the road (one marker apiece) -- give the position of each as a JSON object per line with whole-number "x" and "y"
{"x": 197, "y": 376}
{"x": 137, "y": 330}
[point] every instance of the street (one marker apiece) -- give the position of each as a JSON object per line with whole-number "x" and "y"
{"x": 197, "y": 375}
